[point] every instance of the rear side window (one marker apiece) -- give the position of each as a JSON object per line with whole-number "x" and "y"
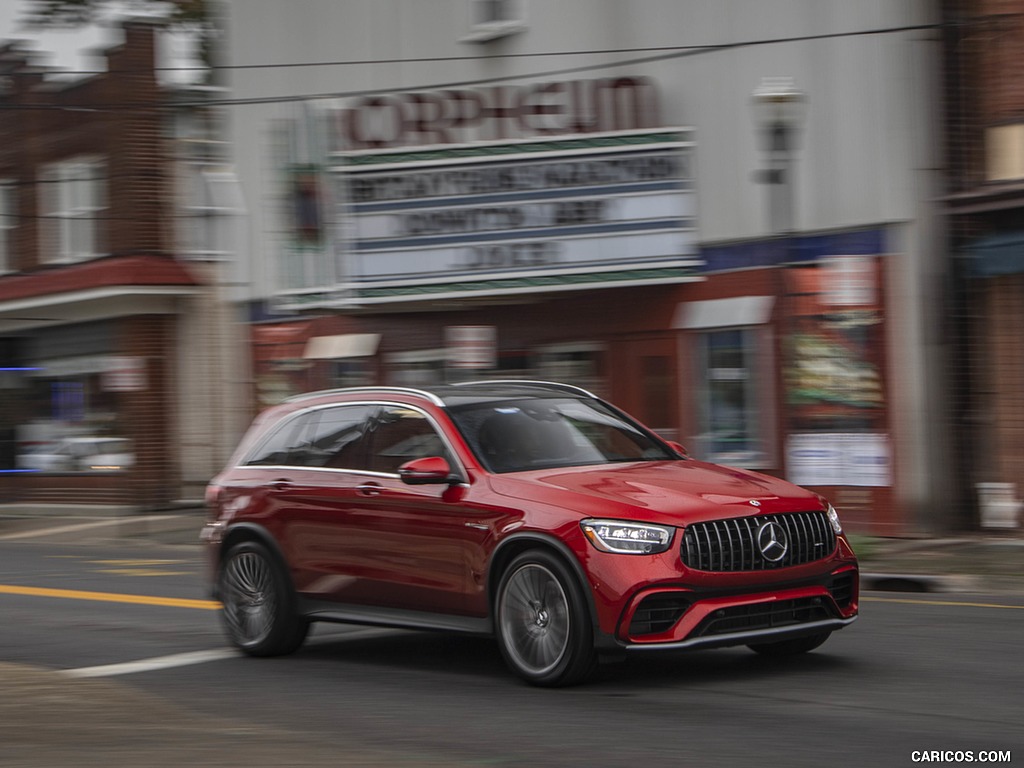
{"x": 277, "y": 448}
{"x": 334, "y": 438}
{"x": 326, "y": 437}
{"x": 353, "y": 437}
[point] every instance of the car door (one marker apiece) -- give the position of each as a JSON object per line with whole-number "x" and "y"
{"x": 415, "y": 547}
{"x": 311, "y": 488}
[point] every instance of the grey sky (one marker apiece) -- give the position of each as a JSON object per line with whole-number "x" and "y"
{"x": 70, "y": 49}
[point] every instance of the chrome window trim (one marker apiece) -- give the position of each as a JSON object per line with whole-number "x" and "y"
{"x": 548, "y": 385}
{"x": 430, "y": 396}
{"x": 459, "y": 469}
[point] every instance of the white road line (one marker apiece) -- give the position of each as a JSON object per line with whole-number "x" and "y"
{"x": 41, "y": 532}
{"x": 150, "y": 665}
{"x": 201, "y": 657}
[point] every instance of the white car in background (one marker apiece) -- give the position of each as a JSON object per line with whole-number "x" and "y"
{"x": 80, "y": 454}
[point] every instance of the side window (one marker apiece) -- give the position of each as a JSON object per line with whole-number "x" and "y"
{"x": 335, "y": 438}
{"x": 277, "y": 448}
{"x": 399, "y": 435}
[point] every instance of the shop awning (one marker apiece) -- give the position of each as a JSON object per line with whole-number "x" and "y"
{"x": 997, "y": 254}
{"x": 723, "y": 313}
{"x": 342, "y": 346}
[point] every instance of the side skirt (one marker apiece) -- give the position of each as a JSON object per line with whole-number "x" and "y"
{"x": 344, "y": 613}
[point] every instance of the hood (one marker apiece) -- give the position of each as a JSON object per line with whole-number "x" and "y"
{"x": 669, "y": 492}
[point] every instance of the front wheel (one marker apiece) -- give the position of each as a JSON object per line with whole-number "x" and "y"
{"x": 258, "y": 603}
{"x": 543, "y": 623}
{"x": 792, "y": 647}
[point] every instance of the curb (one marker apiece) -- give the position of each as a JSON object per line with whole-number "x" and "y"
{"x": 917, "y": 582}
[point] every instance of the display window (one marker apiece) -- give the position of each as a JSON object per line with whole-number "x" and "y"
{"x": 71, "y": 415}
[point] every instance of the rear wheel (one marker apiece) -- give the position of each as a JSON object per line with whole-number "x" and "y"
{"x": 792, "y": 647}
{"x": 258, "y": 602}
{"x": 543, "y": 624}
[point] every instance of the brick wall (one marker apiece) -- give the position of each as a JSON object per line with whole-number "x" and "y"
{"x": 119, "y": 116}
{"x": 147, "y": 414}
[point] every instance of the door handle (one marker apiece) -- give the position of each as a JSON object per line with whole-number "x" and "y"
{"x": 282, "y": 483}
{"x": 370, "y": 489}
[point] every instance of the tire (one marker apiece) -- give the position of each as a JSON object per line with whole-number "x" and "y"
{"x": 259, "y": 603}
{"x": 792, "y": 647}
{"x": 542, "y": 621}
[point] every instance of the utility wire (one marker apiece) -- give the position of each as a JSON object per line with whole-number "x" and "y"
{"x": 667, "y": 49}
{"x": 669, "y": 54}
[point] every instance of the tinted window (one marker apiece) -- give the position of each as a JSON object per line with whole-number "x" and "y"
{"x": 276, "y": 449}
{"x": 399, "y": 435}
{"x": 517, "y": 435}
{"x": 333, "y": 438}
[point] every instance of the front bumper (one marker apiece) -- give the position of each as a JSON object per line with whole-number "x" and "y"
{"x": 681, "y": 618}
{"x": 657, "y": 602}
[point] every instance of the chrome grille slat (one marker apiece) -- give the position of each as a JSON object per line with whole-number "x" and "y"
{"x": 721, "y": 549}
{"x": 731, "y": 544}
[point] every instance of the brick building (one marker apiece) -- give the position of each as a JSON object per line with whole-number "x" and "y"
{"x": 985, "y": 204}
{"x": 108, "y": 324}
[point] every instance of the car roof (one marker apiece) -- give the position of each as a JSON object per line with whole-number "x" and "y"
{"x": 462, "y": 393}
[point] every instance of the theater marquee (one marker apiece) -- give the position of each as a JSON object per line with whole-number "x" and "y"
{"x": 542, "y": 206}
{"x": 518, "y": 217}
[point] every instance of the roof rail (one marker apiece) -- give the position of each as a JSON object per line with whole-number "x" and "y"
{"x": 529, "y": 383}
{"x": 346, "y": 390}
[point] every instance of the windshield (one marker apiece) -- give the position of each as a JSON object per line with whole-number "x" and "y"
{"x": 516, "y": 435}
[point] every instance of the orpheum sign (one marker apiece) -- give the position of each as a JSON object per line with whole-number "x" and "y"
{"x": 507, "y": 190}
{"x": 497, "y": 113}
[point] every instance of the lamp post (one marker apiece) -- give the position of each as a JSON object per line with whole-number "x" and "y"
{"x": 779, "y": 110}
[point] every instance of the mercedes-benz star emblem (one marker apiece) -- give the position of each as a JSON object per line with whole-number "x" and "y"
{"x": 772, "y": 541}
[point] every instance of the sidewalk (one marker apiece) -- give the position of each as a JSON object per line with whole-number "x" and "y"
{"x": 980, "y": 562}
{"x": 971, "y": 563}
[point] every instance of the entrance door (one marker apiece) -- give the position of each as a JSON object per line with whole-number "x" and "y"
{"x": 647, "y": 383}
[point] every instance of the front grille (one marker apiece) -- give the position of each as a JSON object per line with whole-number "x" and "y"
{"x": 658, "y": 613}
{"x": 778, "y": 613}
{"x": 747, "y": 543}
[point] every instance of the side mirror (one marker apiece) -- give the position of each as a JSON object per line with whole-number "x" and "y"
{"x": 430, "y": 470}
{"x": 677, "y": 447}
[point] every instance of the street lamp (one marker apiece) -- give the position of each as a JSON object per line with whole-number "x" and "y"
{"x": 778, "y": 111}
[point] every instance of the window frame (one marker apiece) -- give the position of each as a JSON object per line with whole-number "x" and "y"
{"x": 512, "y": 20}
{"x": 373, "y": 408}
{"x": 62, "y": 214}
{"x": 759, "y": 450}
{"x": 8, "y": 222}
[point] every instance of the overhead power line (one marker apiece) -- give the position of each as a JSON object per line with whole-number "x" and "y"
{"x": 657, "y": 54}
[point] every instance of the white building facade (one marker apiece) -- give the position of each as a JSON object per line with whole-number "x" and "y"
{"x": 586, "y": 190}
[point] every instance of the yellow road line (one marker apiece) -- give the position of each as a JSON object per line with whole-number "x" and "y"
{"x": 110, "y": 597}
{"x": 213, "y": 605}
{"x": 956, "y": 603}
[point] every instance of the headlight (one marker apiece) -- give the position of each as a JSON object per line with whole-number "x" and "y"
{"x": 833, "y": 518}
{"x": 627, "y": 538}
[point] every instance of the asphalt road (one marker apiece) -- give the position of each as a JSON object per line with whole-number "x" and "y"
{"x": 931, "y": 672}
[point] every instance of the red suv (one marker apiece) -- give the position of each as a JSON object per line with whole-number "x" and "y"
{"x": 530, "y": 511}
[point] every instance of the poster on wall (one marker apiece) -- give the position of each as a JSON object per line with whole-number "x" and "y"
{"x": 822, "y": 460}
{"x": 832, "y": 348}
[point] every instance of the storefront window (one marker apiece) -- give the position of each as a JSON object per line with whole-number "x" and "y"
{"x": 8, "y": 221}
{"x": 580, "y": 364}
{"x": 731, "y": 417}
{"x": 422, "y": 368}
{"x": 71, "y": 424}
